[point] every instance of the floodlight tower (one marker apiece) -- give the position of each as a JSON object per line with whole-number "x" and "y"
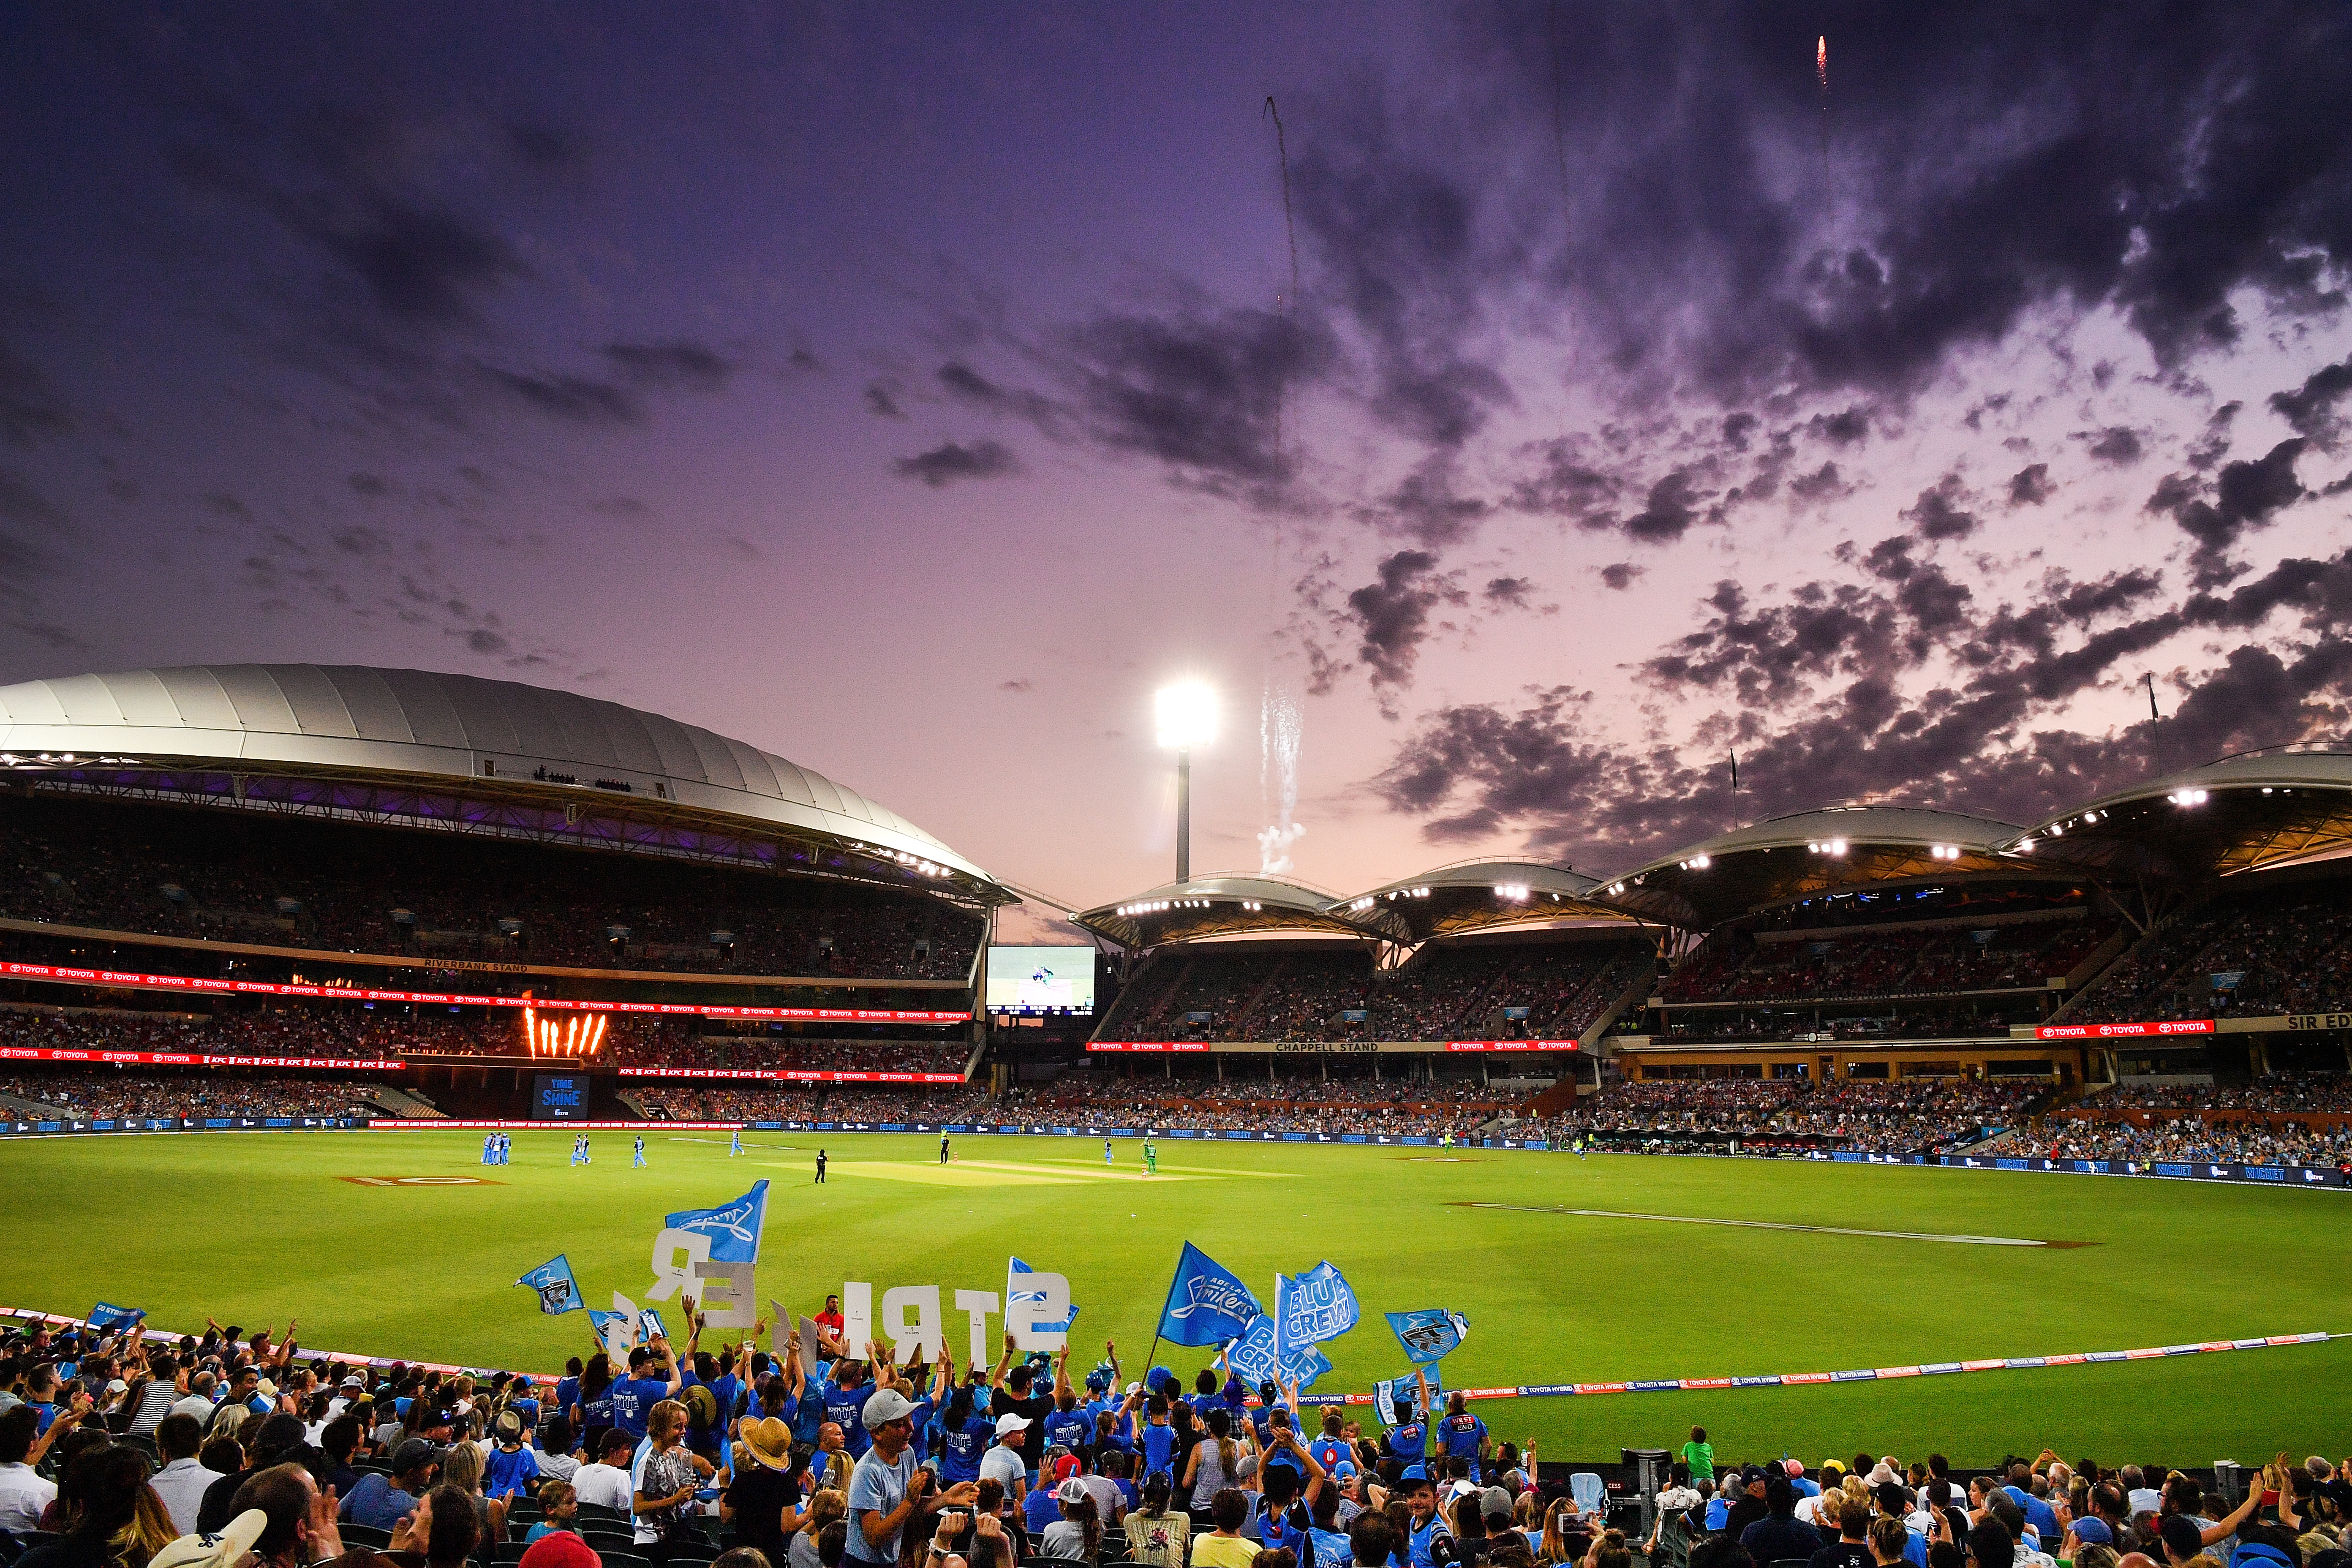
{"x": 1187, "y": 714}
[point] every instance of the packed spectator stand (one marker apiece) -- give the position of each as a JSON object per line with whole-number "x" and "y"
{"x": 1525, "y": 989}
{"x": 120, "y": 1448}
{"x": 2246, "y": 955}
{"x": 284, "y": 882}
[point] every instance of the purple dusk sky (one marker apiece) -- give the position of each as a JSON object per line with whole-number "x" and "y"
{"x": 911, "y": 389}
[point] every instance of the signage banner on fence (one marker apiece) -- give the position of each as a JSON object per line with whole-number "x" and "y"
{"x": 67, "y": 974}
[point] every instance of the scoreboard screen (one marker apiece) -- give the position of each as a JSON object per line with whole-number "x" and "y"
{"x": 558, "y": 1097}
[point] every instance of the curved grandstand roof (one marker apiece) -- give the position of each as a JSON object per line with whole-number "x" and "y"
{"x": 2244, "y": 813}
{"x": 1471, "y": 895}
{"x": 499, "y": 736}
{"x": 1224, "y": 904}
{"x": 1810, "y": 852}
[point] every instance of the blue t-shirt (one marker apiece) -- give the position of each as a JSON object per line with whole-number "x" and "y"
{"x": 1464, "y": 1434}
{"x": 1070, "y": 1428}
{"x": 729, "y": 1392}
{"x": 1159, "y": 1448}
{"x": 961, "y": 1450}
{"x": 634, "y": 1399}
{"x": 1332, "y": 1547}
{"x": 2038, "y": 1514}
{"x": 1202, "y": 1404}
{"x": 376, "y": 1503}
{"x": 596, "y": 1410}
{"x": 1329, "y": 1452}
{"x": 1718, "y": 1513}
{"x": 846, "y": 1408}
{"x": 1424, "y": 1537}
{"x": 1039, "y": 1510}
{"x": 567, "y": 1393}
{"x": 542, "y": 1530}
{"x": 512, "y": 1470}
{"x": 1409, "y": 1442}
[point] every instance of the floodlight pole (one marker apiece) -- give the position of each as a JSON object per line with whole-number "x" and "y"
{"x": 1184, "y": 813}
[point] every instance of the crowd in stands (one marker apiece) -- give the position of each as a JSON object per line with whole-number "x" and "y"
{"x": 2251, "y": 955}
{"x": 1918, "y": 1115}
{"x": 389, "y": 1031}
{"x": 1937, "y": 959}
{"x": 824, "y": 1102}
{"x": 1909, "y": 1021}
{"x": 285, "y": 882}
{"x": 2192, "y": 1138}
{"x": 2293, "y": 1094}
{"x": 109, "y": 1094}
{"x": 116, "y": 1452}
{"x": 1452, "y": 991}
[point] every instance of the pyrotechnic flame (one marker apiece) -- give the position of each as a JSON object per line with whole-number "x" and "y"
{"x": 1822, "y": 63}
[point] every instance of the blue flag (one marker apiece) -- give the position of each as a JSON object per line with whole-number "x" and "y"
{"x": 1206, "y": 1304}
{"x": 107, "y": 1317}
{"x": 649, "y": 1320}
{"x": 558, "y": 1292}
{"x": 1389, "y": 1390}
{"x": 1429, "y": 1334}
{"x": 1016, "y": 1292}
{"x": 733, "y": 1227}
{"x": 1316, "y": 1306}
{"x": 1252, "y": 1357}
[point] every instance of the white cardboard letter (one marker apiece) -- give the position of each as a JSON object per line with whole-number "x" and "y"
{"x": 621, "y": 1330}
{"x": 1022, "y": 1314}
{"x": 922, "y": 1334}
{"x": 728, "y": 1295}
{"x": 669, "y": 1274}
{"x": 856, "y": 1317}
{"x": 979, "y": 1306}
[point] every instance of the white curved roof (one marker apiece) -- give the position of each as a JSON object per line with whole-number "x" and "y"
{"x": 419, "y": 722}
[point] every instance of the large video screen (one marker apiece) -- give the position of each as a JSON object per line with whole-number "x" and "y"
{"x": 559, "y": 1098}
{"x": 1040, "y": 980}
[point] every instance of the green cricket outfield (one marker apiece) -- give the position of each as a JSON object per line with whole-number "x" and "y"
{"x": 1614, "y": 1268}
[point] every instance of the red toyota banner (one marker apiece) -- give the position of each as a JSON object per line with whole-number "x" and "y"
{"x": 2123, "y": 1031}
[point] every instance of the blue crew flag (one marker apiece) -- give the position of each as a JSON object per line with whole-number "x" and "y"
{"x": 1430, "y": 1334}
{"x": 1389, "y": 1390}
{"x": 106, "y": 1316}
{"x": 1016, "y": 1292}
{"x": 733, "y": 1227}
{"x": 1206, "y": 1304}
{"x": 558, "y": 1292}
{"x": 1254, "y": 1358}
{"x": 1313, "y": 1307}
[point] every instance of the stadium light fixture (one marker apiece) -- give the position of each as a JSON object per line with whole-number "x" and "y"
{"x": 1187, "y": 716}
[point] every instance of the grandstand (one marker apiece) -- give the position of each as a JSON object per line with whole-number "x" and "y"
{"x": 348, "y": 869}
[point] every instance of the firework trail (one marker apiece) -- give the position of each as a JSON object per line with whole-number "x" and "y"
{"x": 1278, "y": 721}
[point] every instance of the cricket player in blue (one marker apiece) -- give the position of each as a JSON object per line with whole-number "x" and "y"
{"x": 638, "y": 1163}
{"x": 1106, "y": 1159}
{"x": 735, "y": 1143}
{"x": 488, "y": 1141}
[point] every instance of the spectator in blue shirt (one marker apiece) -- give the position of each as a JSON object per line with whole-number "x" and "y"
{"x": 653, "y": 1377}
{"x": 1464, "y": 1434}
{"x": 513, "y": 1468}
{"x": 845, "y": 1403}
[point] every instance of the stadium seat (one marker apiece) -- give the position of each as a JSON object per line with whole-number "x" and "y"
{"x": 506, "y": 1552}
{"x": 365, "y": 1535}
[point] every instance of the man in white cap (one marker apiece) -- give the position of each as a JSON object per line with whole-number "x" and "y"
{"x": 1004, "y": 1464}
{"x": 889, "y": 1487}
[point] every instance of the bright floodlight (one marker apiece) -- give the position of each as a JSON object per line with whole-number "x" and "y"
{"x": 1187, "y": 715}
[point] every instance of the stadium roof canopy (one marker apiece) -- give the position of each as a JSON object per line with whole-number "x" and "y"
{"x": 1472, "y": 895}
{"x": 2245, "y": 812}
{"x": 1227, "y": 904}
{"x": 1809, "y": 853}
{"x": 459, "y": 751}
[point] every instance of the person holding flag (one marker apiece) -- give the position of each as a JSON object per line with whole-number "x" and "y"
{"x": 638, "y": 1163}
{"x": 1407, "y": 1441}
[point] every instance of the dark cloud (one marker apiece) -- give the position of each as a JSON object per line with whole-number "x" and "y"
{"x": 1427, "y": 505}
{"x": 1202, "y": 393}
{"x": 1849, "y": 428}
{"x": 1020, "y": 685}
{"x": 367, "y": 484}
{"x": 29, "y": 405}
{"x": 2310, "y": 408}
{"x": 2031, "y": 486}
{"x": 1391, "y": 615}
{"x": 1824, "y": 484}
{"x": 1619, "y": 575}
{"x": 578, "y": 398}
{"x": 421, "y": 265}
{"x": 2246, "y": 495}
{"x": 881, "y": 403}
{"x": 1982, "y": 743}
{"x": 2117, "y": 445}
{"x": 1939, "y": 514}
{"x": 968, "y": 385}
{"x": 29, "y": 526}
{"x": 1509, "y": 593}
{"x": 679, "y": 363}
{"x": 952, "y": 460}
{"x": 1672, "y": 507}
{"x": 1567, "y": 483}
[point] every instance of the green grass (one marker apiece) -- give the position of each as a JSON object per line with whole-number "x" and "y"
{"x": 257, "y": 1227}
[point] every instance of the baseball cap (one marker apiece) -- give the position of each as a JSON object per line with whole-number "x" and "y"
{"x": 561, "y": 1549}
{"x": 886, "y": 1406}
{"x": 221, "y": 1550}
{"x": 1072, "y": 1490}
{"x": 411, "y": 1453}
{"x": 1344, "y": 1471}
{"x": 1006, "y": 1423}
{"x": 1794, "y": 1467}
{"x": 1495, "y": 1503}
{"x": 1414, "y": 1476}
{"x": 2094, "y": 1530}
